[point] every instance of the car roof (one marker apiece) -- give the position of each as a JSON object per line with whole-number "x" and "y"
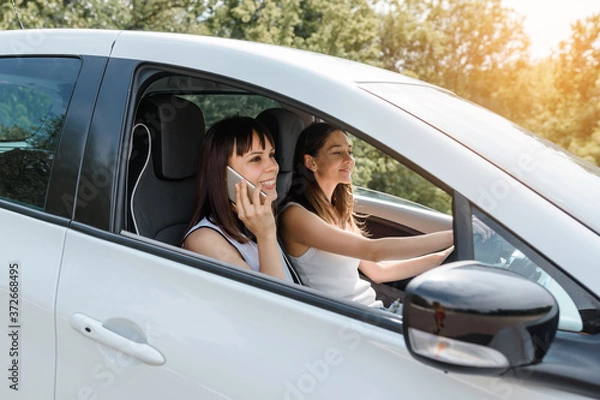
{"x": 57, "y": 42}
{"x": 133, "y": 44}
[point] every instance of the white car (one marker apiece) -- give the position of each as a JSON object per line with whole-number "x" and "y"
{"x": 100, "y": 302}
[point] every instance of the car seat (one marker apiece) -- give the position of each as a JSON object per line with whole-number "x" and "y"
{"x": 163, "y": 166}
{"x": 285, "y": 126}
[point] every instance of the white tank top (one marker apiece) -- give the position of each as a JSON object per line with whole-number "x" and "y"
{"x": 333, "y": 274}
{"x": 248, "y": 250}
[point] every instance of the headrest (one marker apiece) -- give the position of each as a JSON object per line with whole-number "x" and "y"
{"x": 177, "y": 128}
{"x": 285, "y": 126}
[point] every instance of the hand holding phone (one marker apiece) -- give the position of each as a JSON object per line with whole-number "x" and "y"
{"x": 233, "y": 177}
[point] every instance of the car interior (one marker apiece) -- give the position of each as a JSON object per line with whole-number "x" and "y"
{"x": 170, "y": 121}
{"x": 172, "y": 115}
{"x": 163, "y": 166}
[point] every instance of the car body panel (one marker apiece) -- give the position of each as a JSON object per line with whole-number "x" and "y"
{"x": 229, "y": 326}
{"x": 260, "y": 60}
{"x": 31, "y": 252}
{"x": 62, "y": 42}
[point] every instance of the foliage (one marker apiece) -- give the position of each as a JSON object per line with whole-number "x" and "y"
{"x": 381, "y": 172}
{"x": 25, "y": 176}
{"x": 471, "y": 47}
{"x": 268, "y": 21}
{"x": 577, "y": 98}
{"x": 20, "y": 111}
{"x": 476, "y": 48}
{"x": 215, "y": 108}
{"x": 564, "y": 92}
{"x": 158, "y": 15}
{"x": 26, "y": 170}
{"x": 344, "y": 28}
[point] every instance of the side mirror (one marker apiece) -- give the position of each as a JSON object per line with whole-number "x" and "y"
{"x": 467, "y": 317}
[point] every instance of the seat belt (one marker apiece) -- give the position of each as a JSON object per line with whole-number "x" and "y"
{"x": 286, "y": 258}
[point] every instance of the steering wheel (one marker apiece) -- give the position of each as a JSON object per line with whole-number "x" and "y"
{"x": 488, "y": 251}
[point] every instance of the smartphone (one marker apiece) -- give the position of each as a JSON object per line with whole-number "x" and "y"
{"x": 234, "y": 177}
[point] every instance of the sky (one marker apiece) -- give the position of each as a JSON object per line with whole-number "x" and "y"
{"x": 547, "y": 22}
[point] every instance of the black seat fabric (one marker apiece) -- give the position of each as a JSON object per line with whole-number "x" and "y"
{"x": 166, "y": 156}
{"x": 285, "y": 126}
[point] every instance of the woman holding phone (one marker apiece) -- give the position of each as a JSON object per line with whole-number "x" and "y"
{"x": 241, "y": 232}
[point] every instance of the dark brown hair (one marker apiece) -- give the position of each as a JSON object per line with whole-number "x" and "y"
{"x": 212, "y": 200}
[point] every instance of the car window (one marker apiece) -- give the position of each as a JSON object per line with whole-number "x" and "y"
{"x": 34, "y": 95}
{"x": 172, "y": 117}
{"x": 385, "y": 181}
{"x": 217, "y": 100}
{"x": 578, "y": 310}
{"x": 218, "y": 106}
{"x": 391, "y": 199}
{"x": 390, "y": 180}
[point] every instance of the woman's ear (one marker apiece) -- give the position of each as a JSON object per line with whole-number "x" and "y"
{"x": 309, "y": 162}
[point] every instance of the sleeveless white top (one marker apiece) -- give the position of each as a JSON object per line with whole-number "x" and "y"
{"x": 248, "y": 250}
{"x": 333, "y": 274}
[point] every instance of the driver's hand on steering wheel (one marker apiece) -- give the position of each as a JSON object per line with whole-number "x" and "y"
{"x": 481, "y": 229}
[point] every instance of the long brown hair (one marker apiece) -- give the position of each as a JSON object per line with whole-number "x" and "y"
{"x": 306, "y": 191}
{"x": 212, "y": 201}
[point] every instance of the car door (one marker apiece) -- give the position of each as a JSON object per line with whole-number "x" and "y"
{"x": 35, "y": 133}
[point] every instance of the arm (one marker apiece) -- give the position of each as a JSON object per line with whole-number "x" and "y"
{"x": 211, "y": 243}
{"x": 388, "y": 271}
{"x": 259, "y": 219}
{"x": 299, "y": 226}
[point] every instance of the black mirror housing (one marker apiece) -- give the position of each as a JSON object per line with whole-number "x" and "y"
{"x": 468, "y": 317}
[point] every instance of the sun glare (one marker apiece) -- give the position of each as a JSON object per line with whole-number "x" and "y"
{"x": 549, "y": 22}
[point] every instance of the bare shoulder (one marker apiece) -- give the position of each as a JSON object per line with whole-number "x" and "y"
{"x": 202, "y": 235}
{"x": 211, "y": 243}
{"x": 293, "y": 212}
{"x": 298, "y": 225}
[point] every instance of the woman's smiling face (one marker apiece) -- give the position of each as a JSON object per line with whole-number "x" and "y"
{"x": 334, "y": 162}
{"x": 258, "y": 166}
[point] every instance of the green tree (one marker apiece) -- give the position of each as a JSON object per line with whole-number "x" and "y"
{"x": 266, "y": 21}
{"x": 478, "y": 49}
{"x": 378, "y": 171}
{"x": 157, "y": 15}
{"x": 472, "y": 47}
{"x": 577, "y": 100}
{"x": 344, "y": 28}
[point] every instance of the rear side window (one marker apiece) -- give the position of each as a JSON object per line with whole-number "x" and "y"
{"x": 216, "y": 106}
{"x": 34, "y": 95}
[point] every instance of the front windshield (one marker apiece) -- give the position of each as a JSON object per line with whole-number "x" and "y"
{"x": 566, "y": 180}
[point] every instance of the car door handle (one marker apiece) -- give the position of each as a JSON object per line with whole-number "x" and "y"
{"x": 94, "y": 330}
